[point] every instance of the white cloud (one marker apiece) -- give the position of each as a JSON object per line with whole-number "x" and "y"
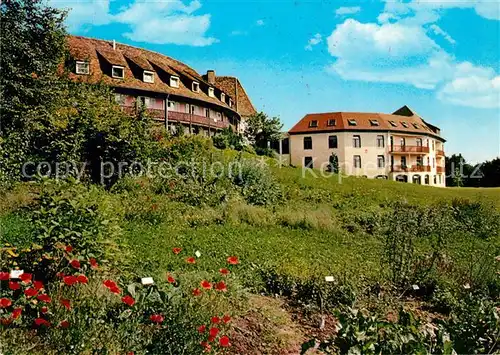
{"x": 343, "y": 11}
{"x": 84, "y": 13}
{"x": 315, "y": 40}
{"x": 259, "y": 22}
{"x": 439, "y": 31}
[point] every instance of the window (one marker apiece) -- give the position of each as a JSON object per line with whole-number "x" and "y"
{"x": 402, "y": 141}
{"x": 352, "y": 122}
{"x": 308, "y": 162}
{"x": 174, "y": 81}
{"x": 332, "y": 142}
{"x": 230, "y": 102}
{"x": 428, "y": 161}
{"x": 403, "y": 162}
{"x": 433, "y": 162}
{"x": 356, "y": 141}
{"x": 374, "y": 122}
{"x": 148, "y": 76}
{"x": 82, "y": 68}
{"x": 331, "y": 123}
{"x": 420, "y": 161}
{"x": 152, "y": 103}
{"x": 211, "y": 92}
{"x": 117, "y": 72}
{"x": 195, "y": 86}
{"x": 404, "y": 124}
{"x": 308, "y": 144}
{"x": 419, "y": 142}
{"x": 433, "y": 147}
{"x": 439, "y": 179}
{"x": 435, "y": 179}
{"x": 357, "y": 161}
{"x": 415, "y": 125}
{"x": 313, "y": 123}
{"x": 223, "y": 97}
{"x": 380, "y": 141}
{"x": 120, "y": 99}
{"x": 171, "y": 105}
{"x": 393, "y": 124}
{"x": 186, "y": 108}
{"x": 193, "y": 109}
{"x": 380, "y": 161}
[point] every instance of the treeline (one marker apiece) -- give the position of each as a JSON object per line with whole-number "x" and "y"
{"x": 460, "y": 173}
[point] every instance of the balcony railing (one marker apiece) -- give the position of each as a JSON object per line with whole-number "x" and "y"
{"x": 413, "y": 168}
{"x": 187, "y": 118}
{"x": 409, "y": 149}
{"x": 440, "y": 169}
{"x": 440, "y": 152}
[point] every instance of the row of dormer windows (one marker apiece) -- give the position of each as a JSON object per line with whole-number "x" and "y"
{"x": 373, "y": 123}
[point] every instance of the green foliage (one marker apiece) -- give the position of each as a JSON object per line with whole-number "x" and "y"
{"x": 477, "y": 218}
{"x": 333, "y": 164}
{"x": 261, "y": 130}
{"x": 227, "y": 139}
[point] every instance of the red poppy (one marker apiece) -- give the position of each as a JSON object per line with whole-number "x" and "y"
{"x": 196, "y": 292}
{"x": 16, "y": 313}
{"x": 44, "y": 298}
{"x": 221, "y": 286}
{"x": 206, "y": 285}
{"x": 211, "y": 338}
{"x": 176, "y": 250}
{"x": 115, "y": 290}
{"x": 191, "y": 260}
{"x": 82, "y": 279}
{"x": 206, "y": 346}
{"x": 30, "y": 292}
{"x": 5, "y": 302}
{"x": 156, "y": 318}
{"x": 64, "y": 324}
{"x": 233, "y": 260}
{"x": 224, "y": 271}
{"x": 38, "y": 284}
{"x": 224, "y": 341}
{"x": 70, "y": 280}
{"x": 44, "y": 309}
{"x": 202, "y": 328}
{"x": 4, "y": 276}
{"x": 93, "y": 263}
{"x": 215, "y": 320}
{"x": 213, "y": 332}
{"x": 25, "y": 277}
{"x": 109, "y": 284}
{"x": 13, "y": 285}
{"x": 65, "y": 303}
{"x": 170, "y": 279}
{"x": 69, "y": 248}
{"x": 226, "y": 319}
{"x": 75, "y": 263}
{"x": 128, "y": 300}
{"x": 41, "y": 321}
{"x": 6, "y": 321}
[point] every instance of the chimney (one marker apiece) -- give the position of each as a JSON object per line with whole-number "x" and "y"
{"x": 114, "y": 44}
{"x": 211, "y": 76}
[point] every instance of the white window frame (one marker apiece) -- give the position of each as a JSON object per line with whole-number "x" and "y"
{"x": 223, "y": 97}
{"x": 118, "y": 67}
{"x": 171, "y": 105}
{"x": 211, "y": 92}
{"x": 174, "y": 81}
{"x": 79, "y": 71}
{"x": 147, "y": 73}
{"x": 195, "y": 86}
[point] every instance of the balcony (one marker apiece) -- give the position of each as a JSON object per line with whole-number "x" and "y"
{"x": 440, "y": 153}
{"x": 409, "y": 149}
{"x": 440, "y": 169}
{"x": 412, "y": 169}
{"x": 187, "y": 118}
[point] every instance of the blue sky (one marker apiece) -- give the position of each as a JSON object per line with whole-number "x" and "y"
{"x": 440, "y": 57}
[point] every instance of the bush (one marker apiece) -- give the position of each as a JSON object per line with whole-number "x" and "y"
{"x": 227, "y": 139}
{"x": 478, "y": 219}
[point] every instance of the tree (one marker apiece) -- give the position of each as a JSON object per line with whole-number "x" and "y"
{"x": 458, "y": 171}
{"x": 261, "y": 130}
{"x": 226, "y": 138}
{"x": 491, "y": 173}
{"x": 333, "y": 164}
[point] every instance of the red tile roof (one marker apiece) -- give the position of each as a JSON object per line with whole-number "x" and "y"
{"x": 233, "y": 86}
{"x": 415, "y": 124}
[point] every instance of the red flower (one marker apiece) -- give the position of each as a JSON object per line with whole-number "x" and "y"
{"x": 206, "y": 346}
{"x": 93, "y": 263}
{"x": 196, "y": 292}
{"x": 221, "y": 286}
{"x": 6, "y": 321}
{"x": 202, "y": 328}
{"x": 25, "y": 277}
{"x": 70, "y": 280}
{"x": 44, "y": 298}
{"x": 13, "y": 285}
{"x": 30, "y": 292}
{"x": 4, "y": 276}
{"x": 176, "y": 250}
{"x": 110, "y": 284}
{"x": 211, "y": 338}
{"x": 213, "y": 332}
{"x": 128, "y": 300}
{"x": 226, "y": 319}
{"x": 69, "y": 248}
{"x": 38, "y": 285}
{"x": 170, "y": 279}
{"x": 224, "y": 341}
{"x": 206, "y": 285}
{"x": 64, "y": 324}
{"x": 224, "y": 271}
{"x": 41, "y": 321}
{"x": 156, "y": 318}
{"x": 16, "y": 312}
{"x": 75, "y": 263}
{"x": 233, "y": 260}
{"x": 215, "y": 320}
{"x": 5, "y": 302}
{"x": 82, "y": 279}
{"x": 191, "y": 260}
{"x": 115, "y": 290}
{"x": 44, "y": 309}
{"x": 65, "y": 303}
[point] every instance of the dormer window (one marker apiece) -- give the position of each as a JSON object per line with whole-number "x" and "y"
{"x": 118, "y": 72}
{"x": 393, "y": 124}
{"x": 211, "y": 92}
{"x": 404, "y": 124}
{"x": 331, "y": 123}
{"x": 313, "y": 123}
{"x": 415, "y": 125}
{"x": 195, "y": 87}
{"x": 374, "y": 122}
{"x": 223, "y": 97}
{"x": 174, "y": 81}
{"x": 148, "y": 76}
{"x": 352, "y": 122}
{"x": 82, "y": 68}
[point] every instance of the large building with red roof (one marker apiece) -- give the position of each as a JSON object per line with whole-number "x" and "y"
{"x": 172, "y": 92}
{"x": 400, "y": 146}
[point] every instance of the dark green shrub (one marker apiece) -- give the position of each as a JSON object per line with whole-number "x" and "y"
{"x": 477, "y": 218}
{"x": 227, "y": 139}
